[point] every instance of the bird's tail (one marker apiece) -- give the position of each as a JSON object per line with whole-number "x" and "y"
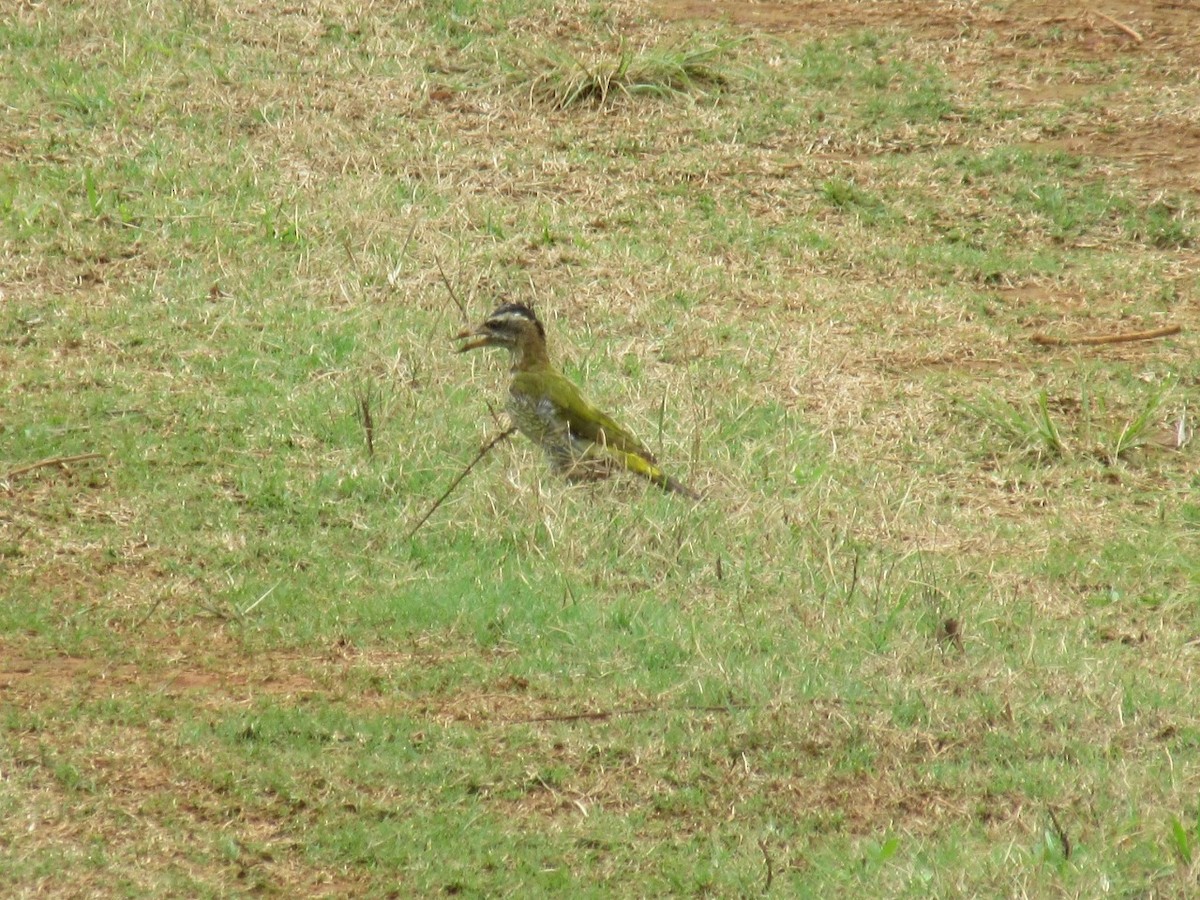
{"x": 670, "y": 484}
{"x": 651, "y": 472}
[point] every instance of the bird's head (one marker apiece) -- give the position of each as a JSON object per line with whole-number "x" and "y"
{"x": 513, "y": 326}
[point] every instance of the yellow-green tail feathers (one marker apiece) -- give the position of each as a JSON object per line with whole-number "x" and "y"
{"x": 653, "y": 473}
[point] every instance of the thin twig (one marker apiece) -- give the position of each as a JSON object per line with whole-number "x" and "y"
{"x": 762, "y": 845}
{"x": 1061, "y": 834}
{"x": 368, "y": 425}
{"x": 365, "y": 397}
{"x": 349, "y": 251}
{"x": 492, "y": 411}
{"x": 1121, "y": 25}
{"x": 1046, "y": 340}
{"x": 446, "y": 281}
{"x": 483, "y": 451}
{"x": 146, "y": 618}
{"x": 53, "y": 461}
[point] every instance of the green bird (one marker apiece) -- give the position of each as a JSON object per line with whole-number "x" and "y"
{"x": 580, "y": 441}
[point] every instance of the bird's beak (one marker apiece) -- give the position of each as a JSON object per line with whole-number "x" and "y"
{"x": 480, "y": 336}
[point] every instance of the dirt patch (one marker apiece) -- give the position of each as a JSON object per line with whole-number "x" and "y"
{"x": 209, "y": 666}
{"x": 1166, "y": 154}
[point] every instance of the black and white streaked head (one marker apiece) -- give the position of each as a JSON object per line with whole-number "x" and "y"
{"x": 512, "y": 326}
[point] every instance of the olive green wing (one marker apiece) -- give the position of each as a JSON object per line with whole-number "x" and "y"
{"x": 559, "y": 401}
{"x": 562, "y": 400}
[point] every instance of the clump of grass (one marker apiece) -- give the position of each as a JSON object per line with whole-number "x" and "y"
{"x": 1136, "y": 432}
{"x": 848, "y": 197}
{"x": 1165, "y": 225}
{"x": 1026, "y": 428}
{"x": 561, "y": 78}
{"x": 1033, "y": 428}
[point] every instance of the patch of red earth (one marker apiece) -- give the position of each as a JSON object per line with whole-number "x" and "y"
{"x": 1167, "y": 154}
{"x": 214, "y": 671}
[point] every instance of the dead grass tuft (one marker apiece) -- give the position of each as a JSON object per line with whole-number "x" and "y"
{"x": 562, "y": 78}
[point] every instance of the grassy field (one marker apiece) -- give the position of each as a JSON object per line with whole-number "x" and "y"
{"x": 934, "y": 630}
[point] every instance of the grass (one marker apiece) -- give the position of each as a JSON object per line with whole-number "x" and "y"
{"x": 931, "y": 631}
{"x": 561, "y": 78}
{"x": 1085, "y": 424}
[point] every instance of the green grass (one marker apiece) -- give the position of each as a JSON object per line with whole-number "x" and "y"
{"x": 931, "y": 631}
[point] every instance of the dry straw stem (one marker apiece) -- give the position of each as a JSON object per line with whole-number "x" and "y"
{"x": 52, "y": 461}
{"x": 1117, "y": 24}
